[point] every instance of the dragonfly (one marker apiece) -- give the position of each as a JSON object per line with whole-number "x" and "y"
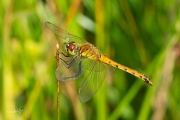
{"x": 81, "y": 59}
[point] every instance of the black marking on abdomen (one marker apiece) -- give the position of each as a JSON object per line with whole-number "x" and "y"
{"x": 117, "y": 66}
{"x": 125, "y": 69}
{"x": 140, "y": 76}
{"x": 146, "y": 80}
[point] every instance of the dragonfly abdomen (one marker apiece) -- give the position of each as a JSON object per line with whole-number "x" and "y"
{"x": 110, "y": 62}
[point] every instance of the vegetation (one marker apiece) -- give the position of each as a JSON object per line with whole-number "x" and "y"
{"x": 143, "y": 35}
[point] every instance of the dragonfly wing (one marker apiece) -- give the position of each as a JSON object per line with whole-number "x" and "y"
{"x": 92, "y": 81}
{"x": 68, "y": 69}
{"x": 90, "y": 65}
{"x": 66, "y": 36}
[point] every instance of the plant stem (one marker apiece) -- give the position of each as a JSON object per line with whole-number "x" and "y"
{"x": 58, "y": 83}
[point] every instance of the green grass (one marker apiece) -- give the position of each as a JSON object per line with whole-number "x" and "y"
{"x": 143, "y": 35}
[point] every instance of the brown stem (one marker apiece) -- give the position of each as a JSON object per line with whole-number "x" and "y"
{"x": 58, "y": 83}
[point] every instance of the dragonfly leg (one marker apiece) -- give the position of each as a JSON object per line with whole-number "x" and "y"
{"x": 68, "y": 63}
{"x": 64, "y": 54}
{"x": 69, "y": 77}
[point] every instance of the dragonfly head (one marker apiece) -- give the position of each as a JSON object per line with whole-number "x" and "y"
{"x": 70, "y": 48}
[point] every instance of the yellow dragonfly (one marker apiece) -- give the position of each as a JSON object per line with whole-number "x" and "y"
{"x": 81, "y": 59}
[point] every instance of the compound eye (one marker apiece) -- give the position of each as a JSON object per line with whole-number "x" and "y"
{"x": 71, "y": 46}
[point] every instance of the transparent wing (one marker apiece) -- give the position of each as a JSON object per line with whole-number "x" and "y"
{"x": 67, "y": 37}
{"x": 69, "y": 69}
{"x": 92, "y": 81}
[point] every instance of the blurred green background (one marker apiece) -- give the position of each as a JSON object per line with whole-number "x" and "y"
{"x": 143, "y": 35}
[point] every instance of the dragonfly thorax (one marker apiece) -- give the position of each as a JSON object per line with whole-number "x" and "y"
{"x": 70, "y": 48}
{"x": 89, "y": 51}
